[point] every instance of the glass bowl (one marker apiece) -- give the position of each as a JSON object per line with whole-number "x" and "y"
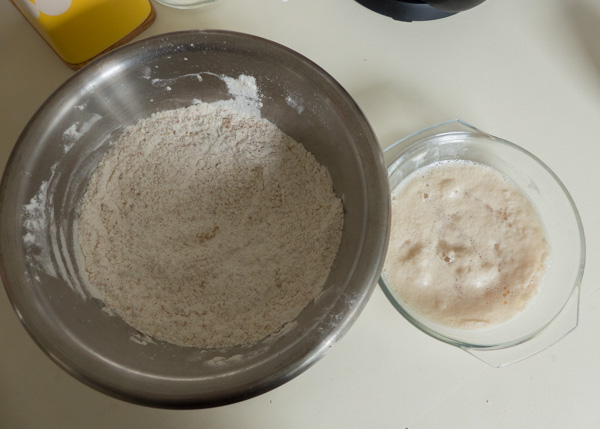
{"x": 185, "y": 4}
{"x": 554, "y": 312}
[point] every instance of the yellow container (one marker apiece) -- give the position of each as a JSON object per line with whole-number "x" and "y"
{"x": 81, "y": 30}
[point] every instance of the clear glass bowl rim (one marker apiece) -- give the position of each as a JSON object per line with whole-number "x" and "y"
{"x": 176, "y": 4}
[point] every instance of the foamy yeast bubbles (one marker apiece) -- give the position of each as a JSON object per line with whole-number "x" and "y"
{"x": 467, "y": 249}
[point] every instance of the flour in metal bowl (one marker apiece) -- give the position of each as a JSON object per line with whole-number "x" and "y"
{"x": 207, "y": 226}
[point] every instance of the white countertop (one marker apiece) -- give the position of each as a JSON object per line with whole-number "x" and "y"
{"x": 527, "y": 71}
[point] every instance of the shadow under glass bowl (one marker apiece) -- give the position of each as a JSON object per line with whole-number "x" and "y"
{"x": 554, "y": 311}
{"x": 57, "y": 152}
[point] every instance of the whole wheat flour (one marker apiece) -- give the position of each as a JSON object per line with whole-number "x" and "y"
{"x": 208, "y": 227}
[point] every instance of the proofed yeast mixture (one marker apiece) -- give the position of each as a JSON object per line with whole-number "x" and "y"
{"x": 207, "y": 226}
{"x": 467, "y": 248}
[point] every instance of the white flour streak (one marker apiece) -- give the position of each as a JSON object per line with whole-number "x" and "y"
{"x": 36, "y": 221}
{"x": 162, "y": 83}
{"x": 76, "y": 131}
{"x": 294, "y": 104}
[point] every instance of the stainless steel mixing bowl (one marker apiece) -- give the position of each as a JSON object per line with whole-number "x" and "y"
{"x": 61, "y": 145}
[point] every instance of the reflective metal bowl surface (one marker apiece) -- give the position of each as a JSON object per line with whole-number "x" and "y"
{"x": 55, "y": 155}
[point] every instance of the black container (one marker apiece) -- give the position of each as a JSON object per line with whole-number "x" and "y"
{"x": 418, "y": 10}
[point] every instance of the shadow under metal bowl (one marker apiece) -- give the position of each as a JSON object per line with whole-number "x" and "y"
{"x": 55, "y": 155}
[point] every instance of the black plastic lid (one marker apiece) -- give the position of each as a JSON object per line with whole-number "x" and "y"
{"x": 411, "y": 10}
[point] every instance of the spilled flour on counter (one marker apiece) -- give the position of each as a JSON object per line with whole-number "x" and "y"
{"x": 207, "y": 226}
